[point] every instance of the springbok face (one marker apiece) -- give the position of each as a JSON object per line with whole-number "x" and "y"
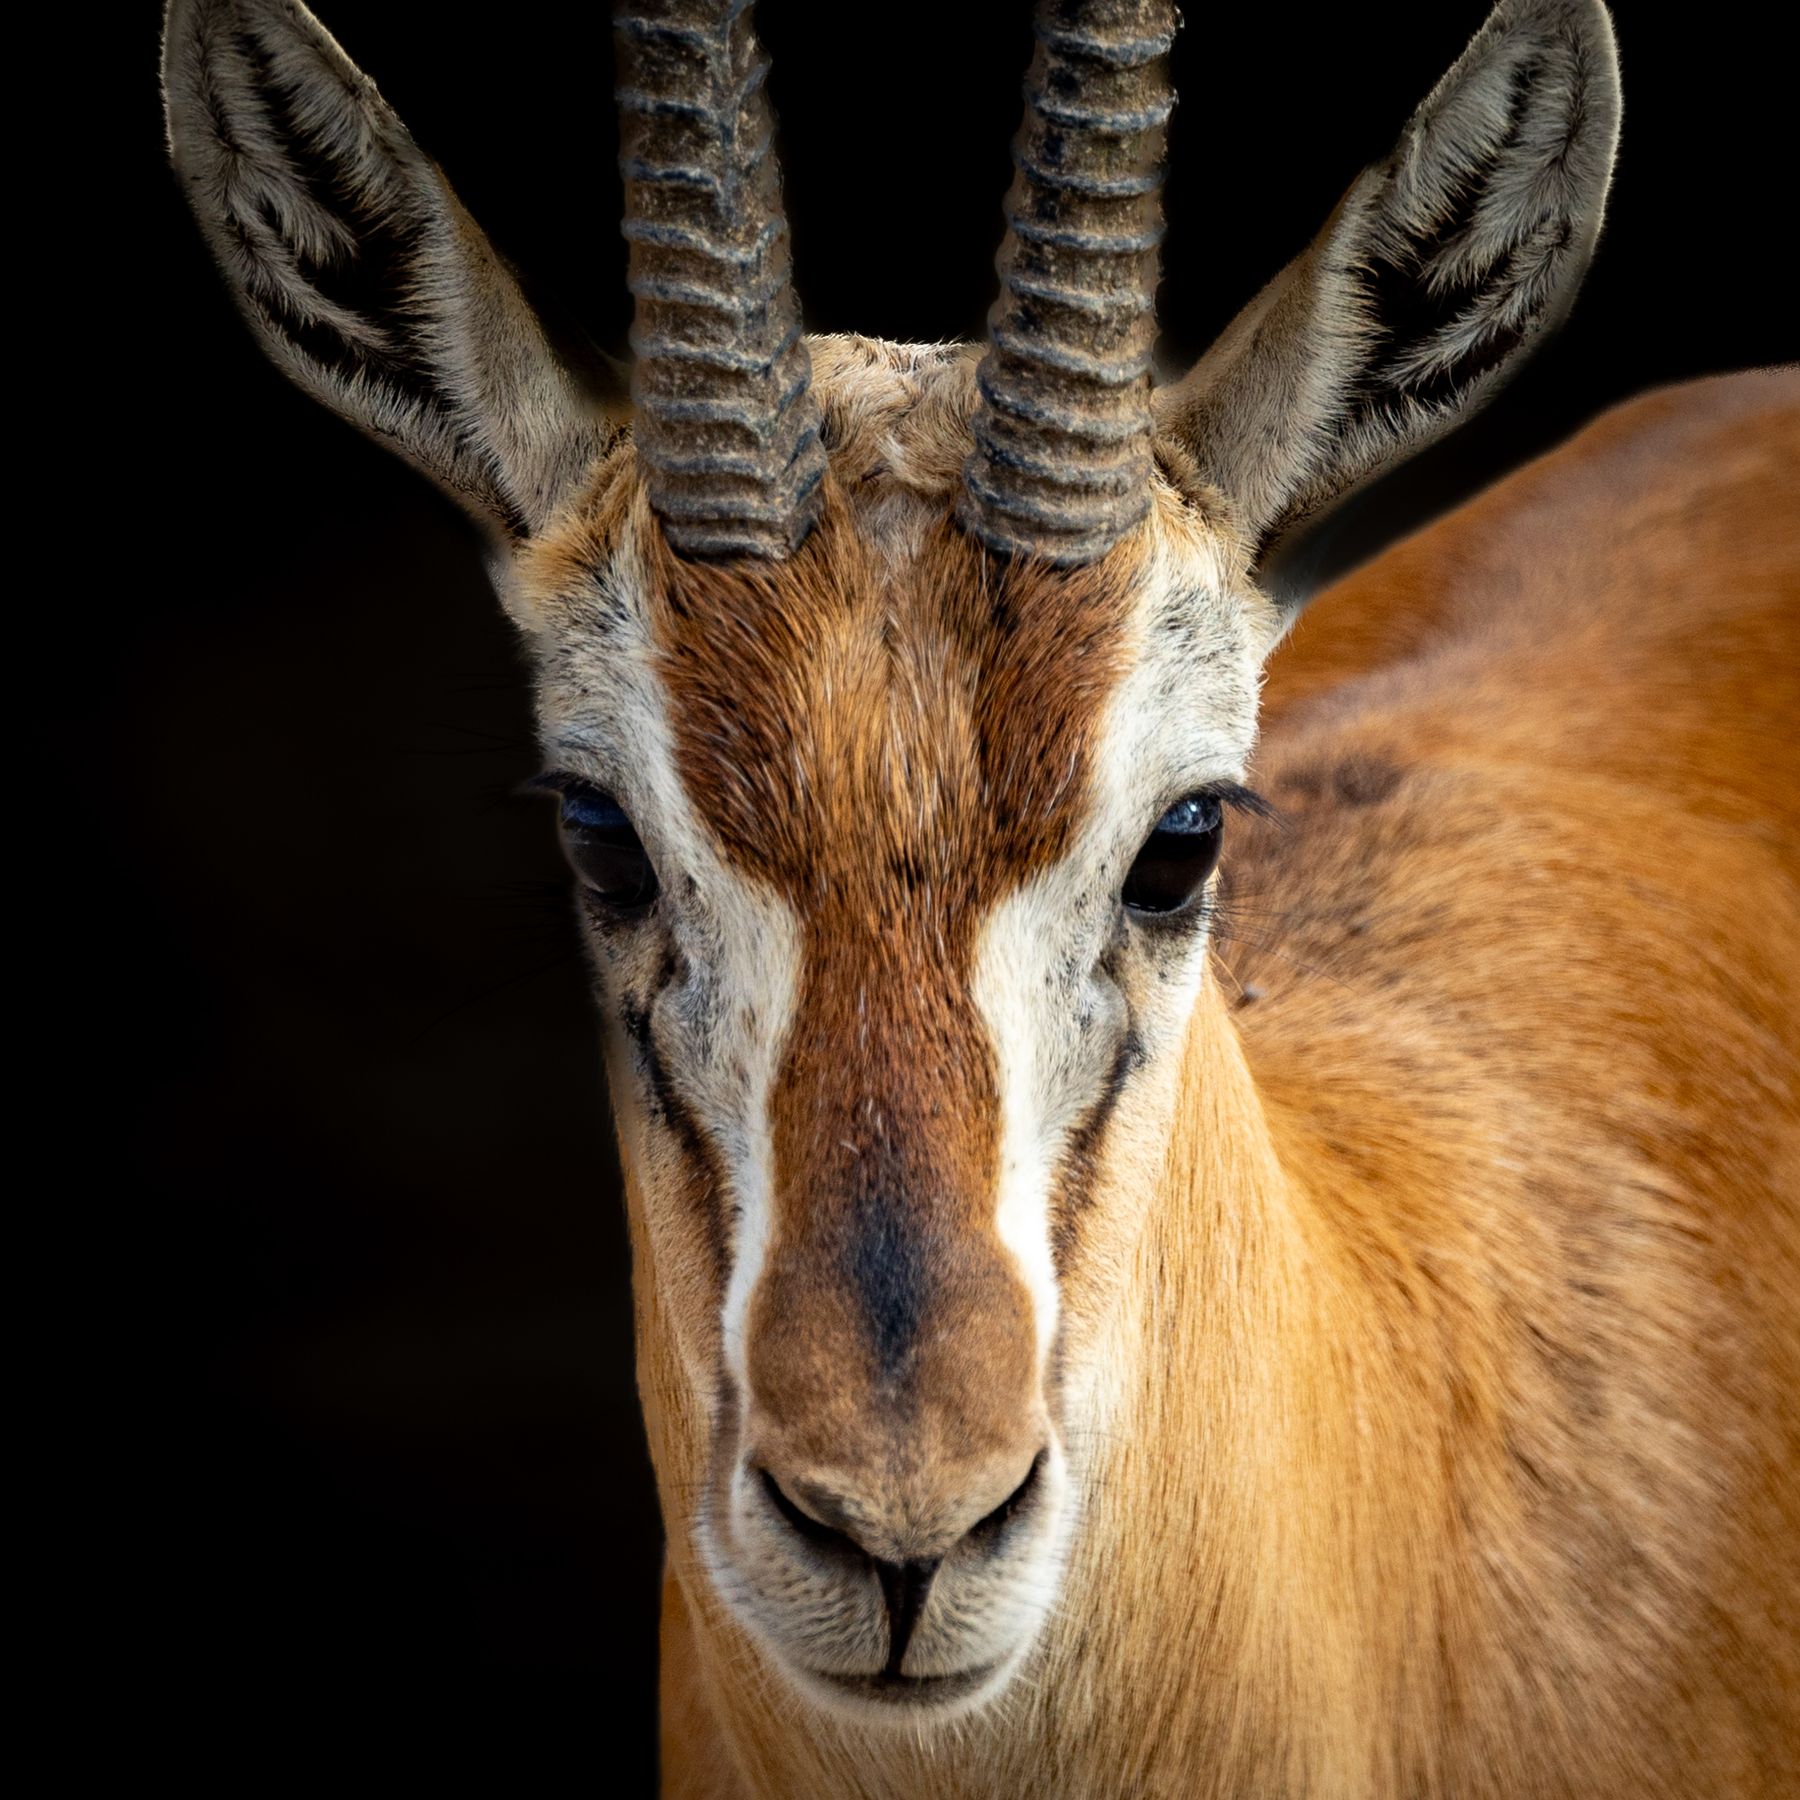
{"x": 915, "y": 940}
{"x": 894, "y": 699}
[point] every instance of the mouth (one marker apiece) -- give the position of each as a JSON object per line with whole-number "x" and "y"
{"x": 901, "y": 1691}
{"x": 807, "y": 1591}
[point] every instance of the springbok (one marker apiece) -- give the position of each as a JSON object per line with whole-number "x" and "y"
{"x": 1357, "y": 1358}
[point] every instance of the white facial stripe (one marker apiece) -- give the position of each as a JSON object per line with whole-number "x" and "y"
{"x": 1009, "y": 1003}
{"x": 719, "y": 1024}
{"x": 1183, "y": 717}
{"x": 729, "y": 1069}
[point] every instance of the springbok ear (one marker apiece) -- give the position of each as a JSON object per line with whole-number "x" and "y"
{"x": 357, "y": 267}
{"x": 1428, "y": 285}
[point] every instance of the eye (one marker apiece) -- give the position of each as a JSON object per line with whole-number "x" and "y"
{"x": 1177, "y": 857}
{"x": 603, "y": 847}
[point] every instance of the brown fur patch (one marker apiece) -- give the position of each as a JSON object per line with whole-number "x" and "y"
{"x": 892, "y": 747}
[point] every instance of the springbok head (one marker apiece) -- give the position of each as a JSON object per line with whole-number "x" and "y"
{"x": 894, "y": 699}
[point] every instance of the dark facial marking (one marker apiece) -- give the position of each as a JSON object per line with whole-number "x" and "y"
{"x": 668, "y": 1108}
{"x": 1082, "y": 1166}
{"x": 893, "y": 751}
{"x": 886, "y": 1264}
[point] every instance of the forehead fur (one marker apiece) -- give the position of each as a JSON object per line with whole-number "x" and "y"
{"x": 891, "y": 686}
{"x": 901, "y": 727}
{"x": 896, "y": 423}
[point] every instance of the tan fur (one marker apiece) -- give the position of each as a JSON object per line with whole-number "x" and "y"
{"x": 1392, "y": 1296}
{"x": 1450, "y": 1441}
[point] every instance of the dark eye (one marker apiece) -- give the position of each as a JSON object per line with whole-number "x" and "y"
{"x": 603, "y": 848}
{"x": 1177, "y": 857}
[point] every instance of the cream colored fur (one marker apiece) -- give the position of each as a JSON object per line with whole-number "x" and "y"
{"x": 1415, "y": 1366}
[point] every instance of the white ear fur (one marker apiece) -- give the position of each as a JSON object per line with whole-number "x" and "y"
{"x": 358, "y": 269}
{"x": 1428, "y": 285}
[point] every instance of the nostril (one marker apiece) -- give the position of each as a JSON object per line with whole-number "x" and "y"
{"x": 995, "y": 1522}
{"x": 815, "y": 1531}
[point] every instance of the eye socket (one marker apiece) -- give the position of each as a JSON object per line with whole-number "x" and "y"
{"x": 603, "y": 847}
{"x": 1177, "y": 857}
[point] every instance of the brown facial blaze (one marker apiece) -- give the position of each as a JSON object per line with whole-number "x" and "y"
{"x": 892, "y": 746}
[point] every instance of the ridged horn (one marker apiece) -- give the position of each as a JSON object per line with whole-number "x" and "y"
{"x": 1061, "y": 465}
{"x": 726, "y": 424}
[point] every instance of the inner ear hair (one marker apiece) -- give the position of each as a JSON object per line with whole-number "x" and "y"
{"x": 1436, "y": 275}
{"x": 357, "y": 267}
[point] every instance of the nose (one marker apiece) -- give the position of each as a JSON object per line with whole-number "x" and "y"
{"x": 852, "y": 1532}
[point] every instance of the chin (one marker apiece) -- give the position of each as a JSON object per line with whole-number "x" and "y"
{"x": 907, "y": 1701}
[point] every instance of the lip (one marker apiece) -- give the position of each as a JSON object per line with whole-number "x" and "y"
{"x": 909, "y": 1690}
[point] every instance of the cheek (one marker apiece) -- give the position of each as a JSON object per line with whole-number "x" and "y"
{"x": 702, "y": 998}
{"x": 1059, "y": 1024}
{"x": 1076, "y": 1014}
{"x": 1091, "y": 1033}
{"x": 1115, "y": 1170}
{"x": 676, "y": 1190}
{"x": 1092, "y": 1040}
{"x": 634, "y": 966}
{"x": 702, "y": 1002}
{"x": 1162, "y": 974}
{"x": 673, "y": 1203}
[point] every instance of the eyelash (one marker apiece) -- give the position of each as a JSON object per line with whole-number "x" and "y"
{"x": 1243, "y": 799}
{"x": 559, "y": 781}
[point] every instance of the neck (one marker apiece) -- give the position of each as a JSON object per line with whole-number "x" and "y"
{"x": 1216, "y": 1570}
{"x": 1227, "y": 1569}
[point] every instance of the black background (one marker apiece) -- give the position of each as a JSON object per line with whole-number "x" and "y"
{"x": 378, "y": 1489}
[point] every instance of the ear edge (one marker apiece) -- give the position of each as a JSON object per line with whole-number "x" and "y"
{"x": 357, "y": 269}
{"x": 1397, "y": 350}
